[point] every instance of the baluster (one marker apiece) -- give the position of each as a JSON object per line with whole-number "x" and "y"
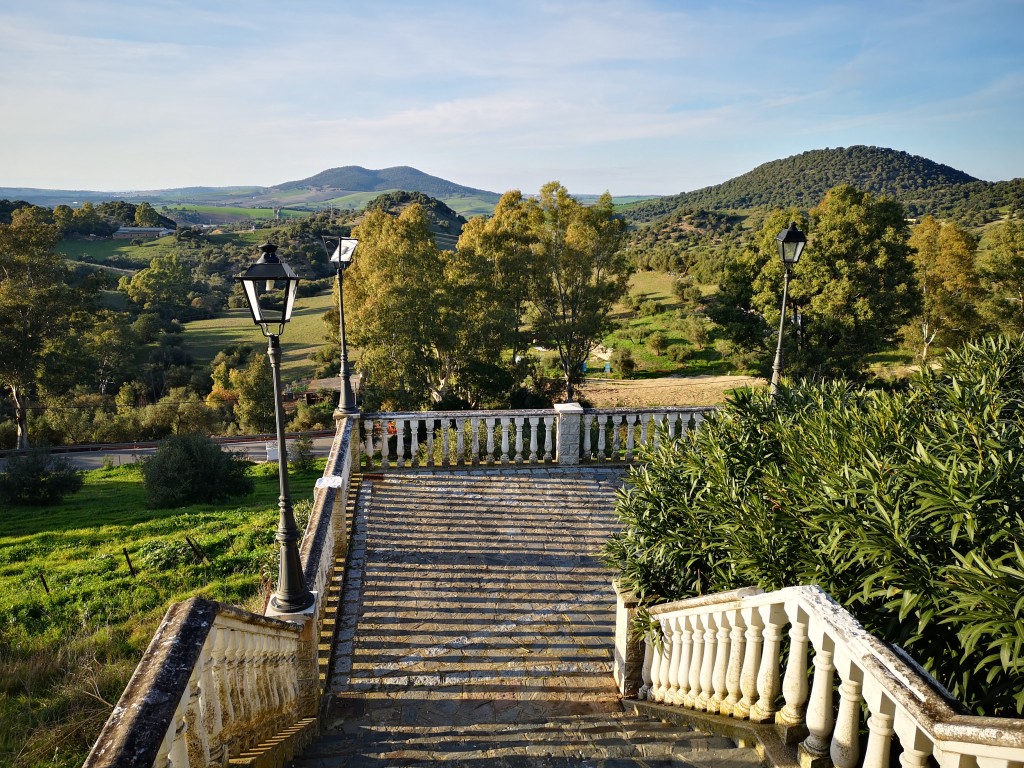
{"x": 751, "y": 661}
{"x": 917, "y": 747}
{"x": 656, "y": 421}
{"x": 368, "y": 432}
{"x": 685, "y": 656}
{"x": 707, "y": 664}
{"x": 676, "y": 625}
{"x": 519, "y": 439}
{"x": 385, "y": 443}
{"x": 163, "y": 754}
{"x": 696, "y": 660}
{"x": 196, "y": 740}
{"x": 602, "y": 423}
{"x": 617, "y": 421}
{"x": 400, "y": 443}
{"x": 845, "y": 747}
{"x": 657, "y": 692}
{"x": 794, "y": 684}
{"x": 414, "y": 442}
{"x": 646, "y": 670}
{"x": 534, "y": 421}
{"x": 210, "y": 721}
{"x": 238, "y": 705}
{"x": 177, "y": 755}
{"x": 430, "y": 442}
{"x": 644, "y": 420}
{"x": 490, "y": 440}
{"x": 588, "y": 420}
{"x": 505, "y": 421}
{"x": 880, "y": 732}
{"x": 819, "y": 718}
{"x": 549, "y": 436}
{"x": 474, "y": 424}
{"x": 630, "y": 421}
{"x": 768, "y": 676}
{"x": 445, "y": 440}
{"x": 732, "y": 675}
{"x": 269, "y": 663}
{"x": 665, "y": 669}
{"x": 670, "y": 424}
{"x": 721, "y": 664}
{"x": 460, "y": 441}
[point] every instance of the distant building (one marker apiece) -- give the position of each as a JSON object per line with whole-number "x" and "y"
{"x": 142, "y": 233}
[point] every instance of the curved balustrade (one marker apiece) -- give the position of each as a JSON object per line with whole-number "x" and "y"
{"x": 215, "y": 680}
{"x": 721, "y": 654}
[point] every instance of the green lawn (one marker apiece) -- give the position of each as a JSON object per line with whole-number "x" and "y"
{"x": 231, "y": 212}
{"x": 101, "y": 251}
{"x": 66, "y": 654}
{"x": 205, "y": 338}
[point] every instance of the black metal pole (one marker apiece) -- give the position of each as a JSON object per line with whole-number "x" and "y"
{"x": 347, "y": 403}
{"x": 777, "y": 366}
{"x": 292, "y": 595}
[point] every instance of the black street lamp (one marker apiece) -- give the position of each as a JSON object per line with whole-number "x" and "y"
{"x": 791, "y": 244}
{"x": 270, "y": 288}
{"x": 342, "y": 256}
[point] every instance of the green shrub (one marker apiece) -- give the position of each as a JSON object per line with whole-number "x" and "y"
{"x": 679, "y": 353}
{"x": 907, "y": 507}
{"x": 649, "y": 308}
{"x": 36, "y": 477}
{"x": 300, "y": 454}
{"x": 192, "y": 468}
{"x": 623, "y": 362}
{"x": 657, "y": 342}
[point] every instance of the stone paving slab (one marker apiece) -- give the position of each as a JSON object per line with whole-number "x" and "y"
{"x": 476, "y": 629}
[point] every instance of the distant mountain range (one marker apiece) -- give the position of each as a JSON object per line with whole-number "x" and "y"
{"x": 800, "y": 181}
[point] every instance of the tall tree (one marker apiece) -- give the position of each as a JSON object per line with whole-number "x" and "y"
{"x": 578, "y": 272}
{"x": 1001, "y": 267}
{"x": 163, "y": 286}
{"x": 943, "y": 256}
{"x": 36, "y": 306}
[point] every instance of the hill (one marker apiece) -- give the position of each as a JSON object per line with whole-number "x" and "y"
{"x": 923, "y": 185}
{"x": 354, "y": 178}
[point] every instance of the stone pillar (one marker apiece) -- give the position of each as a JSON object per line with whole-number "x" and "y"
{"x": 307, "y": 663}
{"x": 570, "y": 416}
{"x": 627, "y": 665}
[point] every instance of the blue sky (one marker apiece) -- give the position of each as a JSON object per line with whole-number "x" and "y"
{"x": 634, "y": 97}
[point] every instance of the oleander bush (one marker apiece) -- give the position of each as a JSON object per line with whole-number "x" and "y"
{"x": 907, "y": 507}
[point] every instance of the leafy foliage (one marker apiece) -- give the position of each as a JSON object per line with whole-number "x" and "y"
{"x": 36, "y": 477}
{"x": 907, "y": 507}
{"x": 192, "y": 468}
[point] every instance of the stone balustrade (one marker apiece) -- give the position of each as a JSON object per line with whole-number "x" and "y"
{"x": 566, "y": 435}
{"x": 217, "y": 680}
{"x": 722, "y": 654}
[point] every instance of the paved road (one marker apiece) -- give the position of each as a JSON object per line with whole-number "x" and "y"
{"x": 255, "y": 450}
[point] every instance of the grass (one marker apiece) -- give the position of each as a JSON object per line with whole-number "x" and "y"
{"x": 226, "y": 213}
{"x": 66, "y": 654}
{"x": 101, "y": 251}
{"x": 305, "y": 333}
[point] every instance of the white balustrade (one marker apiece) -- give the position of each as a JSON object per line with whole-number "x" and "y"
{"x": 723, "y": 654}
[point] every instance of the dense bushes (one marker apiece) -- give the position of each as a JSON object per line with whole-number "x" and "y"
{"x": 38, "y": 478}
{"x": 192, "y": 468}
{"x": 907, "y": 507}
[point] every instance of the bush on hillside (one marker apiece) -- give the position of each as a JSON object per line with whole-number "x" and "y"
{"x": 907, "y": 507}
{"x": 36, "y": 477}
{"x": 623, "y": 362}
{"x": 187, "y": 469}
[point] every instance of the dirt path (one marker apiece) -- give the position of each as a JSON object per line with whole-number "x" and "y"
{"x": 671, "y": 390}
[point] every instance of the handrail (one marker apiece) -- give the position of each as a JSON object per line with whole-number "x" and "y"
{"x": 722, "y": 654}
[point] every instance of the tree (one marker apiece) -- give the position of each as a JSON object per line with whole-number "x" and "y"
{"x": 578, "y": 273}
{"x": 852, "y": 290}
{"x": 146, "y": 216}
{"x": 36, "y": 306}
{"x": 162, "y": 287}
{"x": 256, "y": 409}
{"x": 112, "y": 347}
{"x": 943, "y": 256}
{"x": 1001, "y": 268}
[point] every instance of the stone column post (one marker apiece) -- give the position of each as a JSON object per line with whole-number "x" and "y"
{"x": 570, "y": 417}
{"x": 627, "y": 666}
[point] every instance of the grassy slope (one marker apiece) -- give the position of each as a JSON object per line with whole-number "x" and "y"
{"x": 305, "y": 332}
{"x": 99, "y": 251}
{"x": 63, "y": 654}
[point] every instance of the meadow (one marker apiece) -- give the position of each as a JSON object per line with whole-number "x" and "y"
{"x": 75, "y": 616}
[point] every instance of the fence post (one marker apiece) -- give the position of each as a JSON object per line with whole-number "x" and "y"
{"x": 569, "y": 417}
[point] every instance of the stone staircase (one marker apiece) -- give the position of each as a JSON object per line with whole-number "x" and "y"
{"x": 476, "y": 629}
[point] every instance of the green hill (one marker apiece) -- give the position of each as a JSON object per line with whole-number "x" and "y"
{"x": 923, "y": 185}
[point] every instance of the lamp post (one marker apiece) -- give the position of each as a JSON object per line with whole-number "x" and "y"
{"x": 270, "y": 289}
{"x": 342, "y": 256}
{"x": 791, "y": 244}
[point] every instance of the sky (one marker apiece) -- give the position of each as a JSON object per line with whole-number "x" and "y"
{"x": 629, "y": 96}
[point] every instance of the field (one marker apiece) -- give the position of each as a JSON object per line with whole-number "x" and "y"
{"x": 74, "y": 620}
{"x": 101, "y": 251}
{"x": 666, "y": 390}
{"x": 205, "y": 338}
{"x": 224, "y": 214}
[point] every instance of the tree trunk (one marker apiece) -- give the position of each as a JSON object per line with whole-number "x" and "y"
{"x": 20, "y": 416}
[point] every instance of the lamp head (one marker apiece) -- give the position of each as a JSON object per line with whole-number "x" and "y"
{"x": 270, "y": 289}
{"x": 791, "y": 244}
